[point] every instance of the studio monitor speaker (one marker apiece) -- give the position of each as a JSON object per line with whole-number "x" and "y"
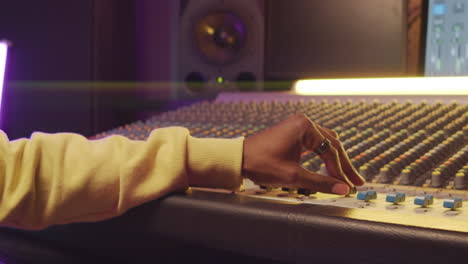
{"x": 220, "y": 47}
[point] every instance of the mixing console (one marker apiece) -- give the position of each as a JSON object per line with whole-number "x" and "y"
{"x": 414, "y": 156}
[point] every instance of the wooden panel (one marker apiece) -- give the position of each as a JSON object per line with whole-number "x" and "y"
{"x": 415, "y": 21}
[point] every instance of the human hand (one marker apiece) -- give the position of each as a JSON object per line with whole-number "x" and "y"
{"x": 272, "y": 157}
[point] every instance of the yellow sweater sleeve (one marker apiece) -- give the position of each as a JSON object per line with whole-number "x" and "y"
{"x": 62, "y": 178}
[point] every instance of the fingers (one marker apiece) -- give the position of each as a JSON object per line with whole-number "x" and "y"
{"x": 292, "y": 175}
{"x": 336, "y": 160}
{"x": 332, "y": 162}
{"x": 331, "y": 132}
{"x": 320, "y": 183}
{"x": 345, "y": 162}
{"x": 312, "y": 140}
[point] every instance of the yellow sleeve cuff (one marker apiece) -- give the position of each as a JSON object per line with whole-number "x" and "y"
{"x": 214, "y": 162}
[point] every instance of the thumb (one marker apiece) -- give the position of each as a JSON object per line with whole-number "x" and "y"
{"x": 320, "y": 183}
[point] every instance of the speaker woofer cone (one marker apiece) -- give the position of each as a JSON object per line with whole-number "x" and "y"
{"x": 220, "y": 37}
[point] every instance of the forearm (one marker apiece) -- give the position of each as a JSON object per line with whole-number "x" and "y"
{"x": 64, "y": 178}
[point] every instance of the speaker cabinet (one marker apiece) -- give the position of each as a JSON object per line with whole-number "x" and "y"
{"x": 220, "y": 47}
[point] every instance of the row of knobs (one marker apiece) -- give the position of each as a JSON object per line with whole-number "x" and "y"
{"x": 422, "y": 200}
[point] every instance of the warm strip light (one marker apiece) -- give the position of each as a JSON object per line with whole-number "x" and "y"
{"x": 3, "y": 59}
{"x": 384, "y": 86}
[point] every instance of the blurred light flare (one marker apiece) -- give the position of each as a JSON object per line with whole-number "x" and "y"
{"x": 209, "y": 30}
{"x": 3, "y": 60}
{"x": 384, "y": 86}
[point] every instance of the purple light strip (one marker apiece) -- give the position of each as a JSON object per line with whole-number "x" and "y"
{"x": 3, "y": 59}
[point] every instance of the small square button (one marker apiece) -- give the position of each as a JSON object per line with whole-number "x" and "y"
{"x": 459, "y": 8}
{"x": 439, "y": 9}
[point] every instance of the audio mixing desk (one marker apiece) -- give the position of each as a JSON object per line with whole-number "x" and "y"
{"x": 412, "y": 151}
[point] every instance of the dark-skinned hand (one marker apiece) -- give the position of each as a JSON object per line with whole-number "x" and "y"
{"x": 272, "y": 157}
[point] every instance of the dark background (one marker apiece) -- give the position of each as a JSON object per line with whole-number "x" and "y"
{"x": 115, "y": 43}
{"x": 336, "y": 39}
{"x": 71, "y": 42}
{"x": 112, "y": 43}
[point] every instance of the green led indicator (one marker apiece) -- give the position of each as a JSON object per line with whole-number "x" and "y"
{"x": 220, "y": 79}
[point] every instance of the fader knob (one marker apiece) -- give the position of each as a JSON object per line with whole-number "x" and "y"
{"x": 395, "y": 198}
{"x": 367, "y": 195}
{"x": 453, "y": 203}
{"x": 459, "y": 181}
{"x": 424, "y": 200}
{"x": 305, "y": 192}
